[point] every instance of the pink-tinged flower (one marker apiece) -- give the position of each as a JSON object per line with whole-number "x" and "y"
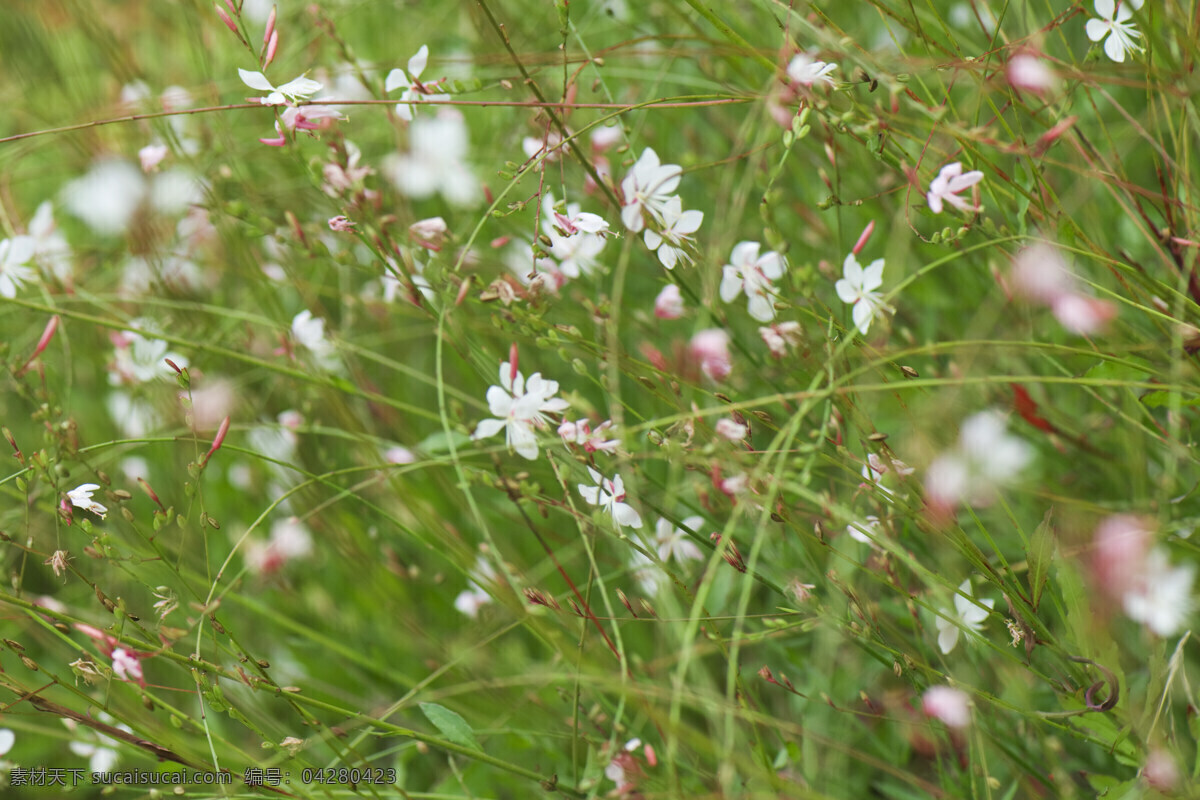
{"x": 436, "y": 161}
{"x": 294, "y": 90}
{"x": 711, "y": 349}
{"x": 429, "y": 233}
{"x": 519, "y": 408}
{"x": 780, "y": 336}
{"x": 81, "y": 497}
{"x": 309, "y": 117}
{"x": 753, "y": 274}
{"x": 985, "y": 458}
{"x": 290, "y": 539}
{"x": 1114, "y": 23}
{"x": 592, "y": 441}
{"x": 1041, "y": 275}
{"x": 946, "y": 186}
{"x": 866, "y": 530}
{"x": 152, "y": 155}
{"x": 967, "y": 614}
{"x": 610, "y": 495}
{"x": 677, "y": 226}
{"x": 646, "y": 189}
{"x": 674, "y": 542}
{"x": 1119, "y": 549}
{"x": 127, "y": 667}
{"x": 800, "y": 591}
{"x": 948, "y": 705}
{"x": 807, "y": 70}
{"x": 339, "y": 179}
{"x": 1160, "y": 771}
{"x": 1162, "y": 598}
{"x": 399, "y": 455}
{"x": 669, "y": 303}
{"x": 1083, "y": 315}
{"x": 733, "y": 431}
{"x": 410, "y": 83}
{"x": 858, "y": 287}
{"x": 341, "y": 224}
{"x": 1029, "y": 73}
{"x": 550, "y": 143}
{"x": 15, "y": 255}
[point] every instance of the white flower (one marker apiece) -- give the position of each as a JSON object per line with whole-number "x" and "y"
{"x": 985, "y": 458}
{"x": 753, "y": 274}
{"x": 677, "y": 227}
{"x": 1162, "y": 599}
{"x": 648, "y": 187}
{"x": 520, "y": 407}
{"x": 675, "y": 543}
{"x": 7, "y": 740}
{"x": 576, "y": 238}
{"x": 81, "y": 497}
{"x": 610, "y": 495}
{"x": 309, "y": 332}
{"x": 859, "y": 530}
{"x": 858, "y": 287}
{"x": 15, "y": 254}
{"x": 1114, "y": 23}
{"x": 951, "y": 706}
{"x": 967, "y": 614}
{"x": 806, "y": 70}
{"x": 397, "y": 79}
{"x": 295, "y": 90}
{"x": 470, "y": 600}
{"x": 435, "y": 161}
{"x": 949, "y": 182}
{"x": 731, "y": 430}
{"x": 50, "y": 246}
{"x": 100, "y": 750}
{"x": 138, "y": 359}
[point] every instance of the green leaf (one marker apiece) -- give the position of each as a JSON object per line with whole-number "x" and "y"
{"x": 1164, "y": 398}
{"x": 1040, "y": 553}
{"x": 451, "y": 725}
{"x": 1129, "y": 369}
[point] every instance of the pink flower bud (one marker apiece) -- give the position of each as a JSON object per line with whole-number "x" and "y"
{"x": 341, "y": 224}
{"x": 950, "y": 706}
{"x": 669, "y": 303}
{"x": 229, "y": 23}
{"x": 710, "y": 348}
{"x": 862, "y": 239}
{"x": 272, "y": 45}
{"x": 270, "y": 29}
{"x": 151, "y": 155}
{"x": 1028, "y": 72}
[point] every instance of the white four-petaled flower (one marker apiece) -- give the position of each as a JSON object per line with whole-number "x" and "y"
{"x": 858, "y": 287}
{"x": 677, "y": 227}
{"x": 806, "y": 70}
{"x": 949, "y": 182}
{"x": 295, "y": 90}
{"x": 397, "y": 79}
{"x": 15, "y": 255}
{"x": 520, "y": 407}
{"x": 753, "y": 274}
{"x": 647, "y": 188}
{"x": 674, "y": 542}
{"x": 81, "y": 497}
{"x": 1114, "y": 23}
{"x": 610, "y": 495}
{"x": 967, "y": 614}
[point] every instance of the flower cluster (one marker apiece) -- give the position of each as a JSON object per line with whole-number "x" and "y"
{"x": 519, "y": 408}
{"x": 648, "y": 191}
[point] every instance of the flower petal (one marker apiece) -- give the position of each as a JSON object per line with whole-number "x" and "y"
{"x": 255, "y": 80}
{"x": 416, "y": 64}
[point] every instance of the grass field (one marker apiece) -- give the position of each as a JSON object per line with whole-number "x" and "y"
{"x": 604, "y": 399}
